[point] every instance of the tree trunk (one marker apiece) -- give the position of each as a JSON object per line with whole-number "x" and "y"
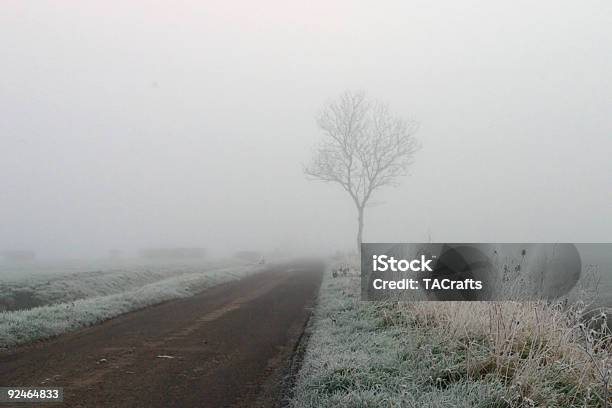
{"x": 359, "y": 229}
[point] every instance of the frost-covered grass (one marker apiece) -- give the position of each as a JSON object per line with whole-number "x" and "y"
{"x": 23, "y": 326}
{"x": 453, "y": 354}
{"x": 28, "y": 285}
{"x": 355, "y": 359}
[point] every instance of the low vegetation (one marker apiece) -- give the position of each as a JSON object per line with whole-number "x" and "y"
{"x": 452, "y": 354}
{"x": 94, "y": 297}
{"x": 28, "y": 285}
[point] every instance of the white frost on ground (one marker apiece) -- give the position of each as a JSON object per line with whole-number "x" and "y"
{"x": 452, "y": 354}
{"x": 23, "y": 286}
{"x": 23, "y": 326}
{"x": 354, "y": 359}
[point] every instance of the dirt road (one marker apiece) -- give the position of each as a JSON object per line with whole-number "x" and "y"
{"x": 229, "y": 346}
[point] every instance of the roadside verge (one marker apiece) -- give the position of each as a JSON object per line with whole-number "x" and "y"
{"x": 448, "y": 354}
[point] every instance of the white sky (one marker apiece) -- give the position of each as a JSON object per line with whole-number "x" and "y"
{"x": 136, "y": 123}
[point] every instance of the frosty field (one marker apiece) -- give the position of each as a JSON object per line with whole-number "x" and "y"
{"x": 28, "y": 285}
{"x": 354, "y": 359}
{"x": 450, "y": 354}
{"x": 40, "y": 301}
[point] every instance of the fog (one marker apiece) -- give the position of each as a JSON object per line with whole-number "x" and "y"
{"x": 138, "y": 124}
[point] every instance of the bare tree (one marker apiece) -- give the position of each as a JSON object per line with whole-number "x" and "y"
{"x": 364, "y": 148}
